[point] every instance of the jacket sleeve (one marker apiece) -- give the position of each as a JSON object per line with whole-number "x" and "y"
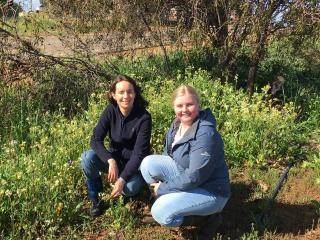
{"x": 200, "y": 168}
{"x": 99, "y": 134}
{"x": 140, "y": 150}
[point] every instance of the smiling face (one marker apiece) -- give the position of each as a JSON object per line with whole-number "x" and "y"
{"x": 186, "y": 109}
{"x": 124, "y": 96}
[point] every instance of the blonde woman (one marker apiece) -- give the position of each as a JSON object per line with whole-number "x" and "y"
{"x": 190, "y": 179}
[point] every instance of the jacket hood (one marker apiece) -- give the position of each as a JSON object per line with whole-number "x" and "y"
{"x": 206, "y": 118}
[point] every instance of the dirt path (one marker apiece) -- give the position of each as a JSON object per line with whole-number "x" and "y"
{"x": 100, "y": 46}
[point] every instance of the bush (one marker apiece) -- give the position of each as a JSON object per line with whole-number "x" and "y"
{"x": 248, "y": 124}
{"x": 42, "y": 191}
{"x": 16, "y": 106}
{"x": 313, "y": 129}
{"x": 60, "y": 88}
{"x": 55, "y": 90}
{"x": 41, "y": 184}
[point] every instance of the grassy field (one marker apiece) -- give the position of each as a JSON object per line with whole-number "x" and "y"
{"x": 45, "y": 128}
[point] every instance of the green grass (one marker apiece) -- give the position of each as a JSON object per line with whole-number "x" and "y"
{"x": 32, "y": 24}
{"x": 44, "y": 130}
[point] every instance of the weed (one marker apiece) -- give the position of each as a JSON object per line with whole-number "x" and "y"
{"x": 316, "y": 205}
{"x": 42, "y": 188}
{"x": 253, "y": 235}
{"x": 121, "y": 214}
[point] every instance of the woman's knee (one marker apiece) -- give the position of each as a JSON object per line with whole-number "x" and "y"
{"x": 133, "y": 186}
{"x": 153, "y": 163}
{"x": 146, "y": 163}
{"x": 131, "y": 190}
{"x": 87, "y": 161}
{"x": 162, "y": 213}
{"x": 145, "y": 168}
{"x": 155, "y": 168}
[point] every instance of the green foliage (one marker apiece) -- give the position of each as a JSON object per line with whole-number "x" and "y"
{"x": 33, "y": 24}
{"x": 42, "y": 189}
{"x": 151, "y": 67}
{"x": 316, "y": 205}
{"x": 312, "y": 125}
{"x": 64, "y": 89}
{"x": 248, "y": 123}
{"x": 16, "y": 104}
{"x": 123, "y": 217}
{"x": 253, "y": 235}
{"x": 159, "y": 95}
{"x": 55, "y": 90}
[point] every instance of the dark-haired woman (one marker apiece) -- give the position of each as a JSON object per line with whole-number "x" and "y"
{"x": 128, "y": 125}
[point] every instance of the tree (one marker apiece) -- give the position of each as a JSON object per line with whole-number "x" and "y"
{"x": 230, "y": 24}
{"x": 226, "y": 25}
{"x": 9, "y": 9}
{"x": 20, "y": 58}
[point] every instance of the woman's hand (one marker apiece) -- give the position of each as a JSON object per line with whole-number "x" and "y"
{"x": 118, "y": 187}
{"x": 113, "y": 171}
{"x": 155, "y": 187}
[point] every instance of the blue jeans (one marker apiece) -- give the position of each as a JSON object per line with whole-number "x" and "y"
{"x": 92, "y": 166}
{"x": 171, "y": 208}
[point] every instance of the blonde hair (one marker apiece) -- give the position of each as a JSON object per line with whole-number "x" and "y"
{"x": 183, "y": 90}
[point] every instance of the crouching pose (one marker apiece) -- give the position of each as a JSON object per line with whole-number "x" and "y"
{"x": 128, "y": 125}
{"x": 190, "y": 180}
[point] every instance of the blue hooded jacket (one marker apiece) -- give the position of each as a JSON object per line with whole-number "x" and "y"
{"x": 199, "y": 156}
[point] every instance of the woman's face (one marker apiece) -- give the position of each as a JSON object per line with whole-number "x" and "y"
{"x": 124, "y": 96}
{"x": 186, "y": 109}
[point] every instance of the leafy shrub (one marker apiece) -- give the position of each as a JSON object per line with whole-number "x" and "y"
{"x": 313, "y": 129}
{"x": 246, "y": 124}
{"x": 151, "y": 67}
{"x": 55, "y": 90}
{"x": 16, "y": 104}
{"x": 42, "y": 191}
{"x": 60, "y": 88}
{"x": 159, "y": 96}
{"x": 41, "y": 184}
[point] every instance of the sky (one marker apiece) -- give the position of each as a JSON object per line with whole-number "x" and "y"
{"x": 28, "y": 5}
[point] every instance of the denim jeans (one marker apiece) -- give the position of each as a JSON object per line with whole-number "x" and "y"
{"x": 92, "y": 166}
{"x": 171, "y": 208}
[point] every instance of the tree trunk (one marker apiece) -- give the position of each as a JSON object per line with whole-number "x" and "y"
{"x": 261, "y": 42}
{"x": 252, "y": 75}
{"x": 256, "y": 57}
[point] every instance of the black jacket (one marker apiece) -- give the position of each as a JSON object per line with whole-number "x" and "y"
{"x": 129, "y": 138}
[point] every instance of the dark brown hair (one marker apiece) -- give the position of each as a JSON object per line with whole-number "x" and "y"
{"x": 139, "y": 100}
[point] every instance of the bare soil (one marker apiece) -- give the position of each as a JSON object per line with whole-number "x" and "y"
{"x": 293, "y": 215}
{"x": 61, "y": 46}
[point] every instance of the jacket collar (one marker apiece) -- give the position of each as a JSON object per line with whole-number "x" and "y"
{"x": 132, "y": 114}
{"x": 190, "y": 133}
